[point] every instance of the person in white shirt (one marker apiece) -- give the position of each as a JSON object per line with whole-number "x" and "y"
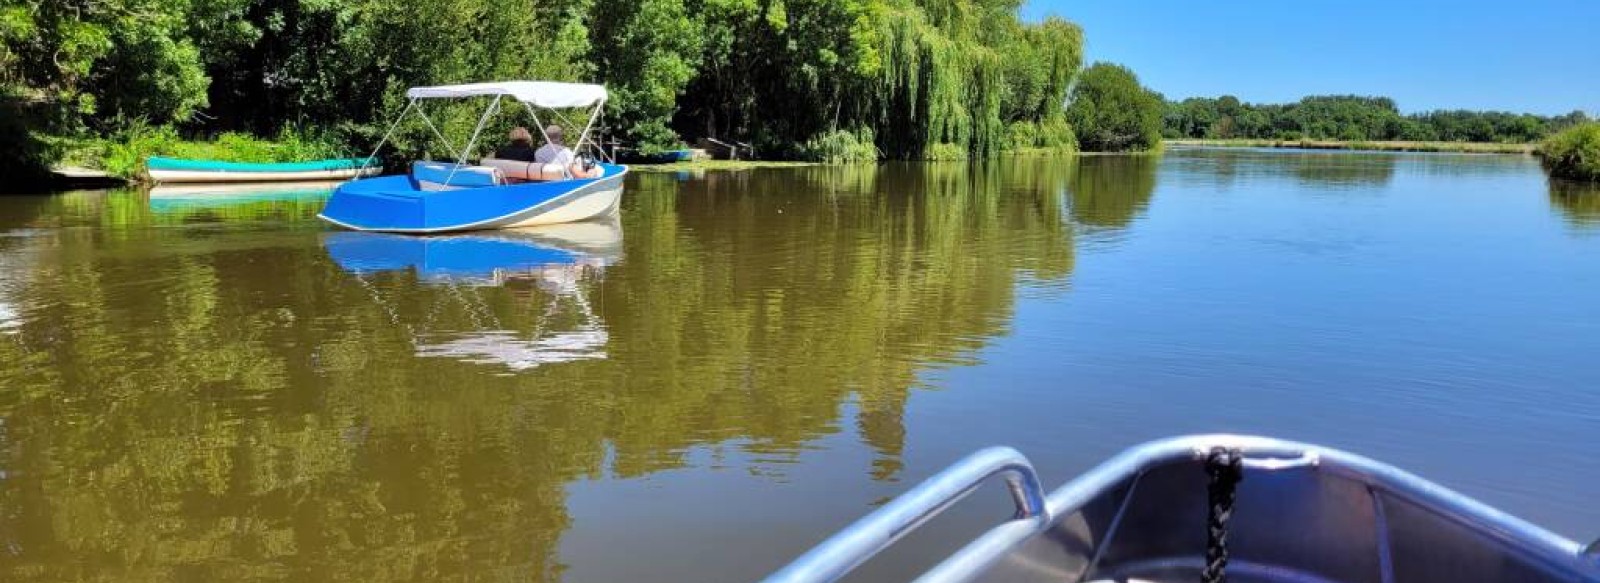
{"x": 555, "y": 156}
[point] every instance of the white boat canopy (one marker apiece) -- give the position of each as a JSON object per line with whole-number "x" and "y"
{"x": 551, "y": 95}
{"x": 547, "y": 94}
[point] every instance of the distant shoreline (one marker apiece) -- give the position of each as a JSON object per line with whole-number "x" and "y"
{"x": 1375, "y": 146}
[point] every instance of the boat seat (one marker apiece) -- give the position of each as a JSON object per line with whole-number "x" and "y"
{"x": 518, "y": 170}
{"x": 447, "y": 176}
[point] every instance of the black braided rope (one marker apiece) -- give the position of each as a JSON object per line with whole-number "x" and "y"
{"x": 1226, "y": 468}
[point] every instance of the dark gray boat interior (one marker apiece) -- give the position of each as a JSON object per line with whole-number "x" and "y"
{"x": 1300, "y": 514}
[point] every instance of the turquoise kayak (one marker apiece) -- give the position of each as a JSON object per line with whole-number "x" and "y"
{"x": 177, "y": 170}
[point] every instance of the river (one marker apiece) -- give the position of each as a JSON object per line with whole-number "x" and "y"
{"x": 195, "y": 388}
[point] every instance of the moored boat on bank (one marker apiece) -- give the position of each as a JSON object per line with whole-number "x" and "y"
{"x": 179, "y": 170}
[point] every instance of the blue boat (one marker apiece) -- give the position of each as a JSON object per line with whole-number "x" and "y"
{"x": 493, "y": 194}
{"x": 398, "y": 204}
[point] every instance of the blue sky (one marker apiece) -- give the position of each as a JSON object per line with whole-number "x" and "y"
{"x": 1541, "y": 56}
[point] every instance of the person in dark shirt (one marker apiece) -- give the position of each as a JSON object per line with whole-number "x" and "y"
{"x": 521, "y": 146}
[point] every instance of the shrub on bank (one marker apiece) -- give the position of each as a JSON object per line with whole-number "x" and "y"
{"x": 1112, "y": 112}
{"x": 1573, "y": 153}
{"x": 945, "y": 152}
{"x": 1049, "y": 136}
{"x": 841, "y": 146}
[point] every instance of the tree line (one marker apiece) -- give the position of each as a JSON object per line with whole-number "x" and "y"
{"x": 907, "y": 79}
{"x": 1352, "y": 117}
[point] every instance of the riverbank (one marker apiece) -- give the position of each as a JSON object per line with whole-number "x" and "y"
{"x": 1375, "y": 146}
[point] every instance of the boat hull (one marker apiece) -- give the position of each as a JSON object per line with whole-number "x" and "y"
{"x": 179, "y": 170}
{"x": 223, "y": 176}
{"x": 666, "y": 157}
{"x": 394, "y": 204}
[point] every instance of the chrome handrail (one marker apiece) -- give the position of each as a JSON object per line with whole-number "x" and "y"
{"x": 1272, "y": 455}
{"x": 851, "y": 547}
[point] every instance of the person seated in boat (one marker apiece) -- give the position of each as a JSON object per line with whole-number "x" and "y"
{"x": 518, "y": 161}
{"x": 520, "y": 147}
{"x": 556, "y": 155}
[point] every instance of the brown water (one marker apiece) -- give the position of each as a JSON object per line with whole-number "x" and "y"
{"x": 220, "y": 389}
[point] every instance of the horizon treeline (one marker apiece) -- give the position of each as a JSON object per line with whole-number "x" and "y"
{"x": 1352, "y": 118}
{"x": 910, "y": 79}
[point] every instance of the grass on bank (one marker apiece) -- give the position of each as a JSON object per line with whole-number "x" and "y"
{"x": 1376, "y": 146}
{"x": 1574, "y": 153}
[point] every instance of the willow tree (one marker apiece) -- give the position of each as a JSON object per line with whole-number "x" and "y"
{"x": 958, "y": 73}
{"x": 931, "y": 79}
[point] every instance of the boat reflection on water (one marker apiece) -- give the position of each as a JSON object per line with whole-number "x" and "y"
{"x": 272, "y": 202}
{"x": 559, "y": 261}
{"x": 185, "y": 196}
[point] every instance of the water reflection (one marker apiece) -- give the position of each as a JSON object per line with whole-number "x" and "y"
{"x": 224, "y": 201}
{"x": 237, "y": 394}
{"x": 1227, "y": 167}
{"x": 1578, "y": 201}
{"x": 232, "y": 391}
{"x": 1111, "y": 191}
{"x": 562, "y": 262}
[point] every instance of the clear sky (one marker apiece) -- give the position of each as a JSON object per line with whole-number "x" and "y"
{"x": 1540, "y": 56}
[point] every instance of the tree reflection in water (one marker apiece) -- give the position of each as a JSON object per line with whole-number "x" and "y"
{"x": 212, "y": 394}
{"x": 1578, "y": 201}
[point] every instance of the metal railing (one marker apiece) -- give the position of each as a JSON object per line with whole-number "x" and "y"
{"x": 851, "y": 547}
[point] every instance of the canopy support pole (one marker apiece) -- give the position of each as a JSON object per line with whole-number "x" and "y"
{"x": 565, "y": 173}
{"x": 592, "y": 117}
{"x": 462, "y": 159}
{"x": 368, "y": 161}
{"x": 436, "y": 132}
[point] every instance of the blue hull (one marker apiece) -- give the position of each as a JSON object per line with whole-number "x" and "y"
{"x": 396, "y": 204}
{"x": 666, "y": 157}
{"x": 446, "y": 257}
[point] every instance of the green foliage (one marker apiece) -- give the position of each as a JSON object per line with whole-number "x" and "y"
{"x": 946, "y": 152}
{"x": 1112, "y": 112}
{"x": 110, "y": 62}
{"x": 841, "y": 146}
{"x": 1351, "y": 117}
{"x": 1574, "y": 153}
{"x": 24, "y": 157}
{"x": 926, "y": 78}
{"x": 1052, "y": 135}
{"x": 647, "y": 51}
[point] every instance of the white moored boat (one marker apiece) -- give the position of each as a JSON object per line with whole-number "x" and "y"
{"x": 183, "y": 171}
